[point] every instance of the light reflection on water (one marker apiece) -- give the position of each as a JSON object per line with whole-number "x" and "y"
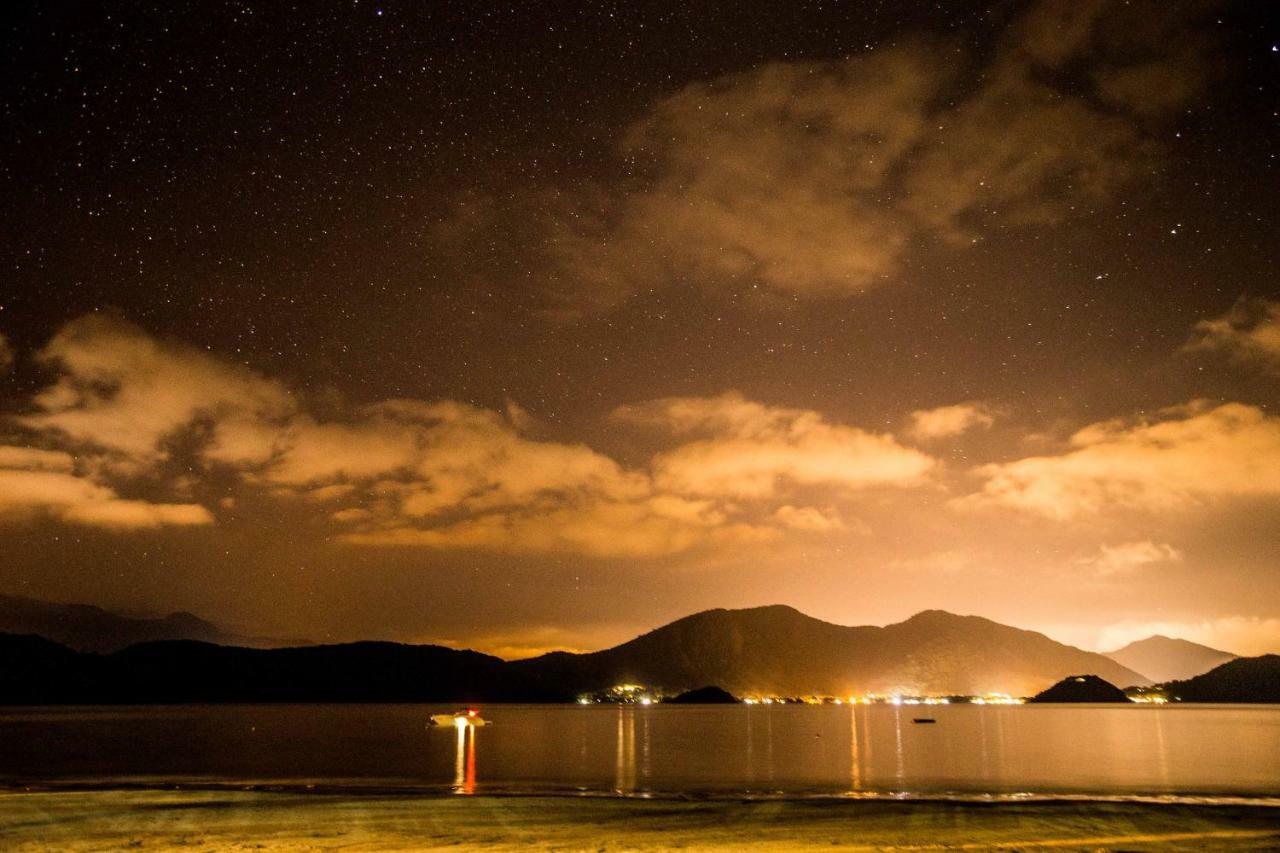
{"x": 851, "y": 750}
{"x": 464, "y": 765}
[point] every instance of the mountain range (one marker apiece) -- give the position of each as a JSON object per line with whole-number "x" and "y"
{"x": 772, "y": 650}
{"x": 705, "y": 638}
{"x": 780, "y": 651}
{"x": 86, "y": 628}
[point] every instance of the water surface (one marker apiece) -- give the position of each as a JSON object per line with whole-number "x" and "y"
{"x": 762, "y": 750}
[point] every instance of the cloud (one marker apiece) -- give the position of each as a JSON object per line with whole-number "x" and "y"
{"x": 37, "y": 482}
{"x": 810, "y": 518}
{"x": 814, "y": 179}
{"x": 1249, "y": 332}
{"x": 1128, "y": 557}
{"x": 430, "y": 457}
{"x": 747, "y": 450}
{"x": 600, "y": 529}
{"x": 944, "y": 562}
{"x": 130, "y": 410}
{"x": 734, "y": 461}
{"x": 7, "y": 357}
{"x": 949, "y": 421}
{"x": 125, "y": 392}
{"x": 35, "y": 459}
{"x": 1188, "y": 455}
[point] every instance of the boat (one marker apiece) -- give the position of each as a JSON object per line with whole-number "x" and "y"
{"x": 923, "y": 720}
{"x": 461, "y": 717}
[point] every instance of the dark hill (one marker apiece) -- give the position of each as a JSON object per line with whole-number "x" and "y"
{"x": 779, "y": 650}
{"x": 1241, "y": 680}
{"x": 34, "y": 670}
{"x": 1164, "y": 659}
{"x": 705, "y": 696}
{"x": 1081, "y": 688}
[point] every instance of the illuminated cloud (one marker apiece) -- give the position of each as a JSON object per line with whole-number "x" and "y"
{"x": 949, "y": 421}
{"x": 602, "y": 529}
{"x": 814, "y": 178}
{"x": 1188, "y": 455}
{"x": 1128, "y": 557}
{"x": 125, "y": 392}
{"x": 431, "y": 457}
{"x": 810, "y": 518}
{"x": 940, "y": 562}
{"x": 540, "y": 497}
{"x": 36, "y": 483}
{"x": 1249, "y": 332}
{"x": 441, "y": 474}
{"x": 744, "y": 449}
{"x": 7, "y": 356}
{"x": 34, "y": 459}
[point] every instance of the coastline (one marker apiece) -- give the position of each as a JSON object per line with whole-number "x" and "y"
{"x": 363, "y": 788}
{"x": 293, "y": 820}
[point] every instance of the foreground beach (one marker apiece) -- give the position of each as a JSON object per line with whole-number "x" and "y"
{"x": 284, "y": 821}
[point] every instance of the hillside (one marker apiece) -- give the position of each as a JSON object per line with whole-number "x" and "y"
{"x": 1241, "y": 680}
{"x": 1164, "y": 659}
{"x": 779, "y": 650}
{"x": 92, "y": 629}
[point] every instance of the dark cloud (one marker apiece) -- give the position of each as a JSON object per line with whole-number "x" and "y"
{"x": 815, "y": 178}
{"x": 1249, "y": 332}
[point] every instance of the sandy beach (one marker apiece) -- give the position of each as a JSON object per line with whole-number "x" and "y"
{"x": 283, "y": 821}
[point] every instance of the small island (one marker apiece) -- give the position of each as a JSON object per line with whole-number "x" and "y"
{"x": 1081, "y": 688}
{"x": 705, "y": 696}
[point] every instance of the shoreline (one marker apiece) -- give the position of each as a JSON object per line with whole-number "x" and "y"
{"x": 289, "y": 821}
{"x": 355, "y": 789}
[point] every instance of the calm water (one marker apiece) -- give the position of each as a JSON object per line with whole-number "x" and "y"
{"x": 765, "y": 750}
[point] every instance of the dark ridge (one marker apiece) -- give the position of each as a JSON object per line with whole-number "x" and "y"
{"x": 36, "y": 671}
{"x": 1244, "y": 680}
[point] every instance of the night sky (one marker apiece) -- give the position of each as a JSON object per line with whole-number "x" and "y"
{"x": 525, "y": 327}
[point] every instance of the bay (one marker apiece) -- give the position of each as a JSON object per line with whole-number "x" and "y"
{"x": 1189, "y": 751}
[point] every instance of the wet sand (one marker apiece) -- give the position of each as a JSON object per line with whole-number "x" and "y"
{"x": 279, "y": 821}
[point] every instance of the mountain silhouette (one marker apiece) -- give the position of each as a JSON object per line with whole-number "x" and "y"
{"x": 1241, "y": 680}
{"x": 91, "y": 629}
{"x": 37, "y": 671}
{"x": 1164, "y": 659}
{"x": 765, "y": 650}
{"x": 780, "y": 651}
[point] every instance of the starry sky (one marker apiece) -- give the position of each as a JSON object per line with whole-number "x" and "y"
{"x": 521, "y": 328}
